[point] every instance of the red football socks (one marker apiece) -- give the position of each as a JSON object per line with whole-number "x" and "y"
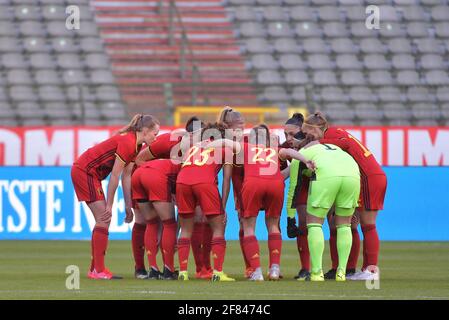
{"x": 138, "y": 245}
{"x": 303, "y": 248}
{"x": 275, "y": 248}
{"x": 183, "y": 253}
{"x": 206, "y": 245}
{"x": 168, "y": 243}
{"x": 100, "y": 244}
{"x": 218, "y": 252}
{"x": 370, "y": 245}
{"x": 151, "y": 245}
{"x": 252, "y": 252}
{"x": 355, "y": 249}
{"x": 196, "y": 241}
{"x": 241, "y": 237}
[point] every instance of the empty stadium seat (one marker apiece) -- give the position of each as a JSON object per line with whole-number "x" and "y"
{"x": 403, "y": 61}
{"x": 296, "y": 77}
{"x": 352, "y": 78}
{"x": 244, "y": 13}
{"x": 275, "y": 94}
{"x": 274, "y": 13}
{"x": 343, "y": 45}
{"x": 291, "y": 62}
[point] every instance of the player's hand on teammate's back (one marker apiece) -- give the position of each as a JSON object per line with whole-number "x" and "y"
{"x": 311, "y": 165}
{"x": 292, "y": 228}
{"x": 129, "y": 215}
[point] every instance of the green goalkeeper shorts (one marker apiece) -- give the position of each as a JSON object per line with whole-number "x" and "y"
{"x": 342, "y": 191}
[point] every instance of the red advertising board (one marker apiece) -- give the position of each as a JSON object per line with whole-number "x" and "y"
{"x": 60, "y": 146}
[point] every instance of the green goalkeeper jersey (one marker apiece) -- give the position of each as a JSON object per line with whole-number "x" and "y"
{"x": 331, "y": 161}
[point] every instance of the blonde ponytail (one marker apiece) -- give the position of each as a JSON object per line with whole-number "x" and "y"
{"x": 316, "y": 120}
{"x": 228, "y": 116}
{"x": 138, "y": 122}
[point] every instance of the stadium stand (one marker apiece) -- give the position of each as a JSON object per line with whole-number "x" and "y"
{"x": 187, "y": 51}
{"x": 397, "y": 75}
{"x": 51, "y": 75}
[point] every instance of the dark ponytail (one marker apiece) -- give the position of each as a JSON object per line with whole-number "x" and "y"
{"x": 190, "y": 124}
{"x": 297, "y": 119}
{"x": 254, "y": 134}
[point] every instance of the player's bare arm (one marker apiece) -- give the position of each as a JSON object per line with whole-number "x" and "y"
{"x": 226, "y": 187}
{"x": 126, "y": 184}
{"x": 117, "y": 170}
{"x": 293, "y": 154}
{"x": 144, "y": 156}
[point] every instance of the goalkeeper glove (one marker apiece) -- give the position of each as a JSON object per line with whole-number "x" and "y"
{"x": 292, "y": 229}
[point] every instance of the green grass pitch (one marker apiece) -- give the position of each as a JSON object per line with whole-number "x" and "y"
{"x": 36, "y": 270}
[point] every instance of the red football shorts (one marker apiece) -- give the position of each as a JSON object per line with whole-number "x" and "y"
{"x": 87, "y": 187}
{"x": 262, "y": 193}
{"x": 373, "y": 189}
{"x": 238, "y": 201}
{"x": 149, "y": 184}
{"x": 204, "y": 195}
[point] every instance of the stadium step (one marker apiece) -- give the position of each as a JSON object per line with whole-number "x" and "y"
{"x": 144, "y": 58}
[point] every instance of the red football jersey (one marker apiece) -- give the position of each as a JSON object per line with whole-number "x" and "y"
{"x": 202, "y": 165}
{"x": 261, "y": 161}
{"x": 364, "y": 158}
{"x": 164, "y": 166}
{"x": 99, "y": 160}
{"x": 161, "y": 147}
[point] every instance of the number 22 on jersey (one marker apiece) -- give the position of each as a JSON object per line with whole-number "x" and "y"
{"x": 258, "y": 157}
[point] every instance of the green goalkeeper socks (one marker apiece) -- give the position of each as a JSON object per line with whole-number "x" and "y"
{"x": 315, "y": 238}
{"x": 344, "y": 243}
